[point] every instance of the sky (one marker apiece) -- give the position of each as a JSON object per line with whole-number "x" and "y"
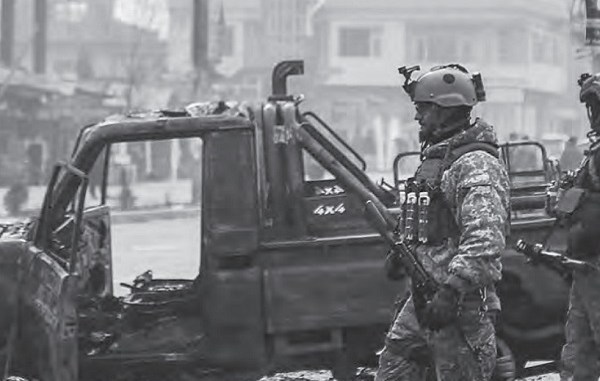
{"x": 153, "y": 14}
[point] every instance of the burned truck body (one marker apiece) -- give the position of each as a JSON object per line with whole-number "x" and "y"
{"x": 290, "y": 275}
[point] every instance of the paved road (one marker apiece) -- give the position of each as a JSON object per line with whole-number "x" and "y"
{"x": 323, "y": 375}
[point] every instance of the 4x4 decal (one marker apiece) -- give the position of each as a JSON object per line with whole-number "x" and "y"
{"x": 328, "y": 210}
{"x": 328, "y": 190}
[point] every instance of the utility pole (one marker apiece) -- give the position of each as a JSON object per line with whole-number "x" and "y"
{"x": 7, "y": 32}
{"x": 40, "y": 22}
{"x": 200, "y": 43}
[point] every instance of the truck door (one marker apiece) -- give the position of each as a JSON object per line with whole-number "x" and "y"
{"x": 46, "y": 345}
{"x": 94, "y": 253}
{"x": 231, "y": 279}
{"x": 324, "y": 284}
{"x": 153, "y": 192}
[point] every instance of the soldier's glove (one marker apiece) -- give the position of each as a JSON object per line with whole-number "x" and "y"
{"x": 393, "y": 267}
{"x": 442, "y": 310}
{"x": 505, "y": 368}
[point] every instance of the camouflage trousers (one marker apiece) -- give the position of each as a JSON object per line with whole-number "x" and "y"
{"x": 580, "y": 357}
{"x": 462, "y": 351}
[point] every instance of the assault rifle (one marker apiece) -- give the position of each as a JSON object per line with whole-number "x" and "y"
{"x": 422, "y": 282}
{"x": 556, "y": 261}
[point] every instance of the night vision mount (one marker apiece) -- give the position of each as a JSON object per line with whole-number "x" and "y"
{"x": 582, "y": 78}
{"x": 409, "y": 84}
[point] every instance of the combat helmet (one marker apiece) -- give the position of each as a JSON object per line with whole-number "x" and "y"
{"x": 446, "y": 86}
{"x": 590, "y": 86}
{"x": 590, "y": 95}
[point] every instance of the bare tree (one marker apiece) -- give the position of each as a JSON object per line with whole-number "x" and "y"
{"x": 141, "y": 67}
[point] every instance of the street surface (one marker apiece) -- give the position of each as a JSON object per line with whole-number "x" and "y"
{"x": 168, "y": 247}
{"x": 171, "y": 249}
{"x": 322, "y": 375}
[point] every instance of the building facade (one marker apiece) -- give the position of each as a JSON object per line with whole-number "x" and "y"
{"x": 85, "y": 41}
{"x": 95, "y": 65}
{"x": 522, "y": 49}
{"x": 352, "y": 49}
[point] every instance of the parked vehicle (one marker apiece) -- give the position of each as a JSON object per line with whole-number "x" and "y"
{"x": 291, "y": 272}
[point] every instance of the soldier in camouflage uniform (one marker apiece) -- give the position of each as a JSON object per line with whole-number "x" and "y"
{"x": 580, "y": 357}
{"x": 467, "y": 203}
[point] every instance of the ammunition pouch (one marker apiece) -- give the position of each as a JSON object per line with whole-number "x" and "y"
{"x": 426, "y": 217}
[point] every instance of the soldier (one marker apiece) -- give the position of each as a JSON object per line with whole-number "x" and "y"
{"x": 571, "y": 156}
{"x": 580, "y": 354}
{"x": 455, "y": 217}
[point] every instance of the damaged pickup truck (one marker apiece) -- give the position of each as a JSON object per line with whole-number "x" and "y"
{"x": 290, "y": 271}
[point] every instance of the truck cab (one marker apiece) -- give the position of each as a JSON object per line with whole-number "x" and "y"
{"x": 288, "y": 271}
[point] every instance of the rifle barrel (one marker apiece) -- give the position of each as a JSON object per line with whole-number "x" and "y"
{"x": 537, "y": 253}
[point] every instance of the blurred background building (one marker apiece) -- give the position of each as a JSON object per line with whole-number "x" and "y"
{"x": 66, "y": 63}
{"x": 352, "y": 49}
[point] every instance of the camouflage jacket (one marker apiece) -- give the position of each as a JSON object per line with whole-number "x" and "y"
{"x": 476, "y": 188}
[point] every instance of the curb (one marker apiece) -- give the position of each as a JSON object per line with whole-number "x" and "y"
{"x": 126, "y": 216}
{"x": 131, "y": 216}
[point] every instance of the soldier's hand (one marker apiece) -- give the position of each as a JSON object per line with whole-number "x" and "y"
{"x": 442, "y": 310}
{"x": 505, "y": 368}
{"x": 393, "y": 267}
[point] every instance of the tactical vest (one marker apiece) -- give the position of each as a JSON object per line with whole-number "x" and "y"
{"x": 583, "y": 216}
{"x": 426, "y": 217}
{"x": 588, "y": 176}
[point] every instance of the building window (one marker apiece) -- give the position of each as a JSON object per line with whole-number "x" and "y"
{"x": 227, "y": 43}
{"x": 557, "y": 51}
{"x": 64, "y": 66}
{"x": 70, "y": 11}
{"x": 511, "y": 47}
{"x": 545, "y": 48}
{"x": 466, "y": 49}
{"x": 420, "y": 48}
{"x": 359, "y": 42}
{"x": 537, "y": 47}
{"x": 443, "y": 48}
{"x": 286, "y": 26}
